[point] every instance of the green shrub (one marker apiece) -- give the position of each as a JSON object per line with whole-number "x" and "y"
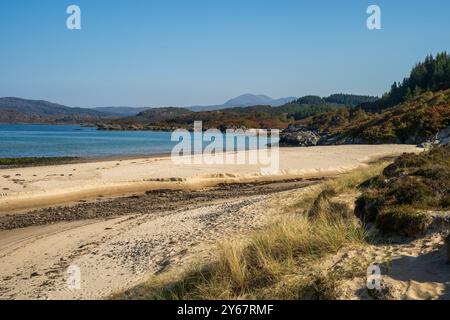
{"x": 403, "y": 163}
{"x": 419, "y": 181}
{"x": 433, "y": 172}
{"x": 445, "y": 203}
{"x": 368, "y": 205}
{"x": 411, "y": 191}
{"x": 404, "y": 221}
{"x": 375, "y": 182}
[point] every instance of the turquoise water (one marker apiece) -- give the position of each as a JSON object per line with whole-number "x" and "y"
{"x": 26, "y": 140}
{"x": 78, "y": 141}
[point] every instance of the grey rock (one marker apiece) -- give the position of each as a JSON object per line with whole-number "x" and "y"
{"x": 426, "y": 145}
{"x": 299, "y": 137}
{"x": 442, "y": 138}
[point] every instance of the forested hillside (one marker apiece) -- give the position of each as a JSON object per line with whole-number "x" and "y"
{"x": 433, "y": 74}
{"x": 413, "y": 121}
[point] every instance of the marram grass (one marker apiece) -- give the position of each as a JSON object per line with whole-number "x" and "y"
{"x": 278, "y": 262}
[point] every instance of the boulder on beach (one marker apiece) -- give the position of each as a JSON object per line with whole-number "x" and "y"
{"x": 299, "y": 137}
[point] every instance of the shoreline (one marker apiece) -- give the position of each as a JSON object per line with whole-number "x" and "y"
{"x": 34, "y": 187}
{"x": 77, "y": 160}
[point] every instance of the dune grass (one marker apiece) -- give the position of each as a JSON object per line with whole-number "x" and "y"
{"x": 281, "y": 261}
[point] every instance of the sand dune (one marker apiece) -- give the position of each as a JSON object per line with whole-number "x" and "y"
{"x": 24, "y": 188}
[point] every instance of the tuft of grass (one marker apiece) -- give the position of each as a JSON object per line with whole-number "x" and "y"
{"x": 324, "y": 205}
{"x": 282, "y": 250}
{"x": 345, "y": 183}
{"x": 325, "y": 287}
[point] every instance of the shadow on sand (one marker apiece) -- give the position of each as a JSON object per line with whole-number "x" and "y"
{"x": 428, "y": 275}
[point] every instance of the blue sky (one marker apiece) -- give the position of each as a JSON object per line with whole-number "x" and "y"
{"x": 189, "y": 52}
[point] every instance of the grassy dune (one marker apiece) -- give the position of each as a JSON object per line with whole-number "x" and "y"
{"x": 398, "y": 199}
{"x": 282, "y": 261}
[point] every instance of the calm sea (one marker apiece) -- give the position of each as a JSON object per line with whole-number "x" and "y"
{"x": 27, "y": 140}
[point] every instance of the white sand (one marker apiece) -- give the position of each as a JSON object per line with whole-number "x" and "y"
{"x": 23, "y": 188}
{"x": 118, "y": 253}
{"x": 414, "y": 269}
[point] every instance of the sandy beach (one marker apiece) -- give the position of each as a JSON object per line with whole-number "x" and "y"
{"x": 24, "y": 188}
{"x": 123, "y": 221}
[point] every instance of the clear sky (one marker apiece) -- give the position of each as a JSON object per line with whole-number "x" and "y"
{"x": 189, "y": 52}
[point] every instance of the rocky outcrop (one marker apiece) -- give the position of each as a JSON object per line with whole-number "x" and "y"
{"x": 299, "y": 137}
{"x": 442, "y": 138}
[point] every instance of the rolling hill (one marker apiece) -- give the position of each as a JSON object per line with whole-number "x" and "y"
{"x": 17, "y": 110}
{"x": 258, "y": 116}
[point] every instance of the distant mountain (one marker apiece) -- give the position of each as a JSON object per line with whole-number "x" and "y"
{"x": 248, "y": 100}
{"x": 121, "y": 111}
{"x": 245, "y": 100}
{"x": 13, "y": 110}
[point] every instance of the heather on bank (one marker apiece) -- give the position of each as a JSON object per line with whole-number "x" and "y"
{"x": 398, "y": 199}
